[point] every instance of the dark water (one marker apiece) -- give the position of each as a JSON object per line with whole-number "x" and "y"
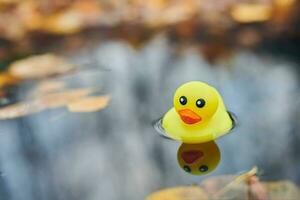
{"x": 116, "y": 154}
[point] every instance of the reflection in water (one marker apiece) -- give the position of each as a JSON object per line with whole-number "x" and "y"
{"x": 114, "y": 154}
{"x": 199, "y": 159}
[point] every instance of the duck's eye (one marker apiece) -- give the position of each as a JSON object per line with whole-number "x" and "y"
{"x": 203, "y": 168}
{"x": 187, "y": 168}
{"x": 200, "y": 103}
{"x": 183, "y": 100}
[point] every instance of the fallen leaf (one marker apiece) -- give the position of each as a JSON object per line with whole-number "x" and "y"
{"x": 246, "y": 186}
{"x": 18, "y": 110}
{"x": 47, "y": 87}
{"x": 284, "y": 2}
{"x": 63, "y": 23}
{"x": 89, "y": 104}
{"x": 57, "y": 99}
{"x": 179, "y": 193}
{"x": 39, "y": 66}
{"x": 43, "y": 102}
{"x": 248, "y": 13}
{"x": 282, "y": 190}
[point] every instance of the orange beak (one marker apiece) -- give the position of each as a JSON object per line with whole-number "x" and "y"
{"x": 189, "y": 117}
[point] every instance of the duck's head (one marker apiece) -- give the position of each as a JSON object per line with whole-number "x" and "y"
{"x": 195, "y": 102}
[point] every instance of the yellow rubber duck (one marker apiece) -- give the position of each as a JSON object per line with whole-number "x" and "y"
{"x": 199, "y": 114}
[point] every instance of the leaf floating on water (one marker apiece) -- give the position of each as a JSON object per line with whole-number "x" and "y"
{"x": 18, "y": 110}
{"x": 179, "y": 193}
{"x": 57, "y": 99}
{"x": 246, "y": 186}
{"x": 47, "y": 87}
{"x": 40, "y": 66}
{"x": 43, "y": 102}
{"x": 89, "y": 104}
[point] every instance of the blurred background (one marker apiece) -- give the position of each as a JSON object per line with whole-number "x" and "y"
{"x": 82, "y": 81}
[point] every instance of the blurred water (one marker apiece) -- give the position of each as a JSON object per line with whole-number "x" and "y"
{"x": 116, "y": 154}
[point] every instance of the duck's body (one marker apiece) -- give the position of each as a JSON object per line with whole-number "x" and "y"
{"x": 197, "y": 124}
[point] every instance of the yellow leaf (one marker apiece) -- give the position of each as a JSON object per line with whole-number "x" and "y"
{"x": 63, "y": 23}
{"x": 248, "y": 13}
{"x": 43, "y": 102}
{"x": 179, "y": 193}
{"x": 57, "y": 99}
{"x": 18, "y": 110}
{"x": 47, "y": 87}
{"x": 89, "y": 104}
{"x": 39, "y": 66}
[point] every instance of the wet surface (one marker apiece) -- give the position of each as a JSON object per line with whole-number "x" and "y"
{"x": 116, "y": 153}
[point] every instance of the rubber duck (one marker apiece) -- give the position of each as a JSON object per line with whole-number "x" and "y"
{"x": 198, "y": 116}
{"x": 198, "y": 159}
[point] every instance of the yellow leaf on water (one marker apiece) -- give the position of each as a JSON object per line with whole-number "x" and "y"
{"x": 19, "y": 110}
{"x": 246, "y": 186}
{"x": 89, "y": 104}
{"x": 57, "y": 99}
{"x": 47, "y": 87}
{"x": 40, "y": 66}
{"x": 179, "y": 193}
{"x": 43, "y": 102}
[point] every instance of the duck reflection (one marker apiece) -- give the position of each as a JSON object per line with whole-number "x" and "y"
{"x": 199, "y": 159}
